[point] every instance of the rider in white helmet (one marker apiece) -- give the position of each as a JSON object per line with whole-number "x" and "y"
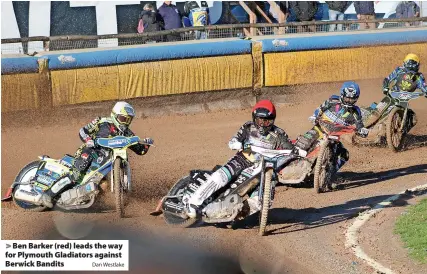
{"x": 102, "y": 127}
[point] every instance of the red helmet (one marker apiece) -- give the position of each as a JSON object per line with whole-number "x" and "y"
{"x": 263, "y": 116}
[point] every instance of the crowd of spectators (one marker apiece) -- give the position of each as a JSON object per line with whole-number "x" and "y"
{"x": 168, "y": 16}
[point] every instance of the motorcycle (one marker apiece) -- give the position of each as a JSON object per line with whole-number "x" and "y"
{"x": 390, "y": 120}
{"x": 321, "y": 159}
{"x": 231, "y": 202}
{"x": 48, "y": 174}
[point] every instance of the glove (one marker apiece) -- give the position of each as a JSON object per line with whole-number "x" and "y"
{"x": 234, "y": 144}
{"x": 312, "y": 119}
{"x": 300, "y": 152}
{"x": 386, "y": 90}
{"x": 363, "y": 132}
{"x": 148, "y": 141}
{"x": 90, "y": 143}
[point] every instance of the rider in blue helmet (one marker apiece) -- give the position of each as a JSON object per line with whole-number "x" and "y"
{"x": 349, "y": 94}
{"x": 340, "y": 109}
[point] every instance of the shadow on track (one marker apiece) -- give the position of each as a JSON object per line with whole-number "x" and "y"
{"x": 309, "y": 218}
{"x": 414, "y": 141}
{"x": 357, "y": 179}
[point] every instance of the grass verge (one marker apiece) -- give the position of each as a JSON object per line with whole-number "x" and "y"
{"x": 412, "y": 228}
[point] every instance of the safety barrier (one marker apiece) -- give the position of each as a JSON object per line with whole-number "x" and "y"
{"x": 62, "y": 78}
{"x": 289, "y": 60}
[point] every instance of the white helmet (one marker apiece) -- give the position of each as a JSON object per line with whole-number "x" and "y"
{"x": 122, "y": 115}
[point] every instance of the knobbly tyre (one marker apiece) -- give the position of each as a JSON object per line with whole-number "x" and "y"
{"x": 52, "y": 174}
{"x": 230, "y": 203}
{"x": 321, "y": 160}
{"x": 390, "y": 120}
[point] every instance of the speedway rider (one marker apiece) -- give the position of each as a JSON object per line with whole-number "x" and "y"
{"x": 260, "y": 132}
{"x": 337, "y": 109}
{"x": 407, "y": 77}
{"x": 106, "y": 127}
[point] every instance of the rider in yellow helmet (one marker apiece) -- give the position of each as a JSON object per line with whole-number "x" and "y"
{"x": 409, "y": 71}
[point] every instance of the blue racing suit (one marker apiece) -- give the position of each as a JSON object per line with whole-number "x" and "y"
{"x": 334, "y": 111}
{"x": 420, "y": 79}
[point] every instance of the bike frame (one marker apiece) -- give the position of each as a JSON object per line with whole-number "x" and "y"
{"x": 269, "y": 159}
{"x": 119, "y": 146}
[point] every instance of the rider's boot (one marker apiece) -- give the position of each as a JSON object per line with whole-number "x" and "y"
{"x": 253, "y": 203}
{"x": 193, "y": 201}
{"x": 46, "y": 200}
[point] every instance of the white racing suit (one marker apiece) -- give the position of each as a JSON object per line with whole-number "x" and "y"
{"x": 248, "y": 133}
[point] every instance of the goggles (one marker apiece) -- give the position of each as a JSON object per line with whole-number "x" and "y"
{"x": 263, "y": 122}
{"x": 124, "y": 119}
{"x": 349, "y": 101}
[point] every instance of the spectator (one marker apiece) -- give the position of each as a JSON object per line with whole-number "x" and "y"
{"x": 336, "y": 12}
{"x": 199, "y": 16}
{"x": 149, "y": 21}
{"x": 304, "y": 11}
{"x": 171, "y": 18}
{"x": 408, "y": 9}
{"x": 365, "y": 10}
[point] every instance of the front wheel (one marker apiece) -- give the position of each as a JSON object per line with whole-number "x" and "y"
{"x": 178, "y": 190}
{"x": 118, "y": 187}
{"x": 266, "y": 199}
{"x": 393, "y": 133}
{"x": 25, "y": 175}
{"x": 323, "y": 168}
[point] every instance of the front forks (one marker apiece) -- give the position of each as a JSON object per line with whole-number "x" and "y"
{"x": 127, "y": 175}
{"x": 403, "y": 125}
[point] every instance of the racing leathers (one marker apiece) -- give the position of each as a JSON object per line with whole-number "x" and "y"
{"x": 248, "y": 134}
{"x": 419, "y": 79}
{"x": 98, "y": 128}
{"x": 334, "y": 111}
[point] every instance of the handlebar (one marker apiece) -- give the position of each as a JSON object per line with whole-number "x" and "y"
{"x": 338, "y": 128}
{"x": 270, "y": 153}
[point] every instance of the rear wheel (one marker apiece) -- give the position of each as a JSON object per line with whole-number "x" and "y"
{"x": 24, "y": 176}
{"x": 118, "y": 187}
{"x": 323, "y": 168}
{"x": 173, "y": 219}
{"x": 393, "y": 133}
{"x": 266, "y": 199}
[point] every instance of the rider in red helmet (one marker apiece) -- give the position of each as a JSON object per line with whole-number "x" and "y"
{"x": 260, "y": 132}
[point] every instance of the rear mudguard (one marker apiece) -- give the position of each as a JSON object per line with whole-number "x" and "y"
{"x": 8, "y": 196}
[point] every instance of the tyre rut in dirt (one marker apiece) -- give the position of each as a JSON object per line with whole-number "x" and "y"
{"x": 118, "y": 190}
{"x": 393, "y": 134}
{"x": 320, "y": 170}
{"x": 172, "y": 219}
{"x": 26, "y": 205}
{"x": 263, "y": 216}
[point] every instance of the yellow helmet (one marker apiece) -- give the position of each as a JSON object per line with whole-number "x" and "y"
{"x": 413, "y": 57}
{"x": 412, "y": 62}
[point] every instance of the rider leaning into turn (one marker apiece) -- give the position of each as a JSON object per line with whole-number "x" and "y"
{"x": 407, "y": 77}
{"x": 102, "y": 127}
{"x": 260, "y": 132}
{"x": 341, "y": 110}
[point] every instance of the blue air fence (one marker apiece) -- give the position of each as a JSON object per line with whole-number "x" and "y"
{"x": 37, "y": 44}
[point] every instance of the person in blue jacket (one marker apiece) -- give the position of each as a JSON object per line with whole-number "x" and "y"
{"x": 171, "y": 18}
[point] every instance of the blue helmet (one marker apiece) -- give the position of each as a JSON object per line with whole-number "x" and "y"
{"x": 349, "y": 93}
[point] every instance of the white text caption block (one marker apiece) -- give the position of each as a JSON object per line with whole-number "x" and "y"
{"x": 77, "y": 255}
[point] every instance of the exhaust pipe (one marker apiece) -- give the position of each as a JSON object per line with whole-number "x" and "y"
{"x": 28, "y": 195}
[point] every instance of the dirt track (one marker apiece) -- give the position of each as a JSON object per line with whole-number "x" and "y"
{"x": 306, "y": 231}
